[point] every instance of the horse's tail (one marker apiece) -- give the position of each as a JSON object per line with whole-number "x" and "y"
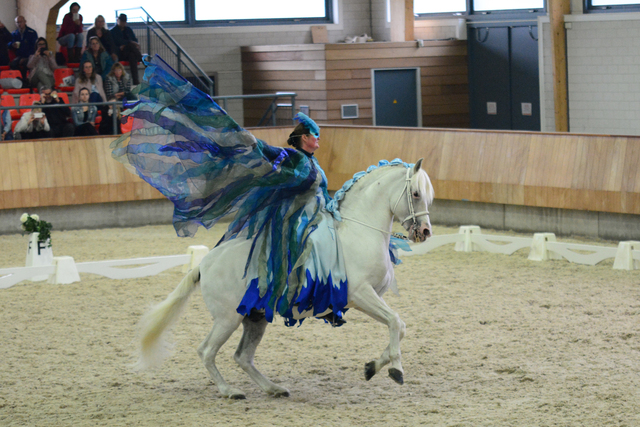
{"x": 153, "y": 348}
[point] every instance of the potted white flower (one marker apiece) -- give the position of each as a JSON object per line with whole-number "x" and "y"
{"x": 39, "y": 251}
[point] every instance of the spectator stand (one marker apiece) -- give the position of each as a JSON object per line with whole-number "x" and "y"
{"x": 27, "y": 100}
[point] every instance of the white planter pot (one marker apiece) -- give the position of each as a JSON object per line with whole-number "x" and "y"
{"x": 38, "y": 254}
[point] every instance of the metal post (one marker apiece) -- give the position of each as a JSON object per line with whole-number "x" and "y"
{"x": 148, "y": 37}
{"x": 179, "y": 62}
{"x": 274, "y": 108}
{"x": 293, "y": 109}
{"x": 114, "y": 118}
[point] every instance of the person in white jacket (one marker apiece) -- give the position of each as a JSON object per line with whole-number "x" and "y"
{"x": 33, "y": 125}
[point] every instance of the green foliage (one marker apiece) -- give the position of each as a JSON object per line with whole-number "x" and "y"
{"x": 33, "y": 224}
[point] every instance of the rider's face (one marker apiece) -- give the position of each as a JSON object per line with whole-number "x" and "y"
{"x": 310, "y": 143}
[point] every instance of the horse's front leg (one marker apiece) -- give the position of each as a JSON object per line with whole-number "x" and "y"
{"x": 367, "y": 300}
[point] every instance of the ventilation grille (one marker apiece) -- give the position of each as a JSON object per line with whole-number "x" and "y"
{"x": 350, "y": 111}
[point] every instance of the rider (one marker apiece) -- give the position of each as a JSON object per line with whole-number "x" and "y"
{"x": 323, "y": 287}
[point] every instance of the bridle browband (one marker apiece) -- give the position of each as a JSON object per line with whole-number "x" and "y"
{"x": 412, "y": 214}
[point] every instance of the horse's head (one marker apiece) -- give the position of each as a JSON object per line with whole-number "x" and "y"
{"x": 412, "y": 207}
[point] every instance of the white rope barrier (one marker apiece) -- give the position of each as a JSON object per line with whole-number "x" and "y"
{"x": 64, "y": 270}
{"x": 542, "y": 247}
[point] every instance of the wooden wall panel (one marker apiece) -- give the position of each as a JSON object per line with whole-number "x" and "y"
{"x": 286, "y": 68}
{"x": 568, "y": 171}
{"x": 346, "y": 78}
{"x": 65, "y": 172}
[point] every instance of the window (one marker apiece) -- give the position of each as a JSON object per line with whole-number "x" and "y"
{"x": 425, "y": 8}
{"x": 208, "y": 12}
{"x": 430, "y": 6}
{"x": 237, "y": 10}
{"x": 611, "y": 6}
{"x": 491, "y": 5}
{"x": 158, "y": 10}
{"x": 612, "y": 3}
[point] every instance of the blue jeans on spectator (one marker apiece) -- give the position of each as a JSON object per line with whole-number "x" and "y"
{"x": 72, "y": 40}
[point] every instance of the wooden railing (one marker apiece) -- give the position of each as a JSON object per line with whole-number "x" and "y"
{"x": 568, "y": 171}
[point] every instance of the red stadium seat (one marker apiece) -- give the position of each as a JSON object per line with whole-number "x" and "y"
{"x": 13, "y": 74}
{"x": 10, "y": 74}
{"x": 59, "y": 74}
{"x": 126, "y": 127}
{"x": 64, "y": 97}
{"x": 8, "y": 101}
{"x": 29, "y": 99}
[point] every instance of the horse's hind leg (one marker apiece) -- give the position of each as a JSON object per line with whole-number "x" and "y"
{"x": 251, "y": 337}
{"x": 220, "y": 333}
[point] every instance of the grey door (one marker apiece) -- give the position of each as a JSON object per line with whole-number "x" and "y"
{"x": 503, "y": 78}
{"x": 396, "y": 97}
{"x": 525, "y": 82}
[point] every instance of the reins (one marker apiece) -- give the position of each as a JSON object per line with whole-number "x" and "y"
{"x": 412, "y": 214}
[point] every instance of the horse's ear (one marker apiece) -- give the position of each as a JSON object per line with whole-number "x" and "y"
{"x": 417, "y": 166}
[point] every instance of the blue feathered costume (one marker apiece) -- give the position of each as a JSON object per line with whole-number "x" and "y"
{"x": 193, "y": 152}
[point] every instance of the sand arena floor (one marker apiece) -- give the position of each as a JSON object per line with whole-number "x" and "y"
{"x": 492, "y": 340}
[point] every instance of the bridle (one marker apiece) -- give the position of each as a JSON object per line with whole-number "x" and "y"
{"x": 412, "y": 214}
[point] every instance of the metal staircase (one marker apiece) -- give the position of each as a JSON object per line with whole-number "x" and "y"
{"x": 154, "y": 39}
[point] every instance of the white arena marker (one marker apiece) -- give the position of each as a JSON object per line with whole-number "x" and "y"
{"x": 624, "y": 256}
{"x": 197, "y": 252}
{"x": 66, "y": 271}
{"x": 466, "y": 245}
{"x": 38, "y": 254}
{"x": 539, "y": 251}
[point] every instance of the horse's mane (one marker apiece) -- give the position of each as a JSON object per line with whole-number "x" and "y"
{"x": 334, "y": 205}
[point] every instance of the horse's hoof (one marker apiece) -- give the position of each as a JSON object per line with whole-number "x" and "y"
{"x": 396, "y": 375}
{"x": 369, "y": 370}
{"x": 236, "y": 395}
{"x": 284, "y": 393}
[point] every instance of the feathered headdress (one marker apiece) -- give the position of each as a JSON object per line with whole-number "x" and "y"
{"x": 309, "y": 124}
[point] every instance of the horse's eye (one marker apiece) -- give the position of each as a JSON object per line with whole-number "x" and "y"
{"x": 416, "y": 195}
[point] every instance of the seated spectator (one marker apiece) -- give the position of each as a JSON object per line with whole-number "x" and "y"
{"x": 5, "y": 126}
{"x": 100, "y": 30}
{"x": 32, "y": 125}
{"x": 70, "y": 34}
{"x": 41, "y": 65}
{"x": 127, "y": 46}
{"x": 5, "y": 41}
{"x": 117, "y": 86}
{"x": 58, "y": 118}
{"x": 84, "y": 118}
{"x": 98, "y": 57}
{"x": 87, "y": 78}
{"x": 23, "y": 44}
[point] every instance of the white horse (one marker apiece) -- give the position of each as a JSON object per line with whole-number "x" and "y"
{"x": 368, "y": 210}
